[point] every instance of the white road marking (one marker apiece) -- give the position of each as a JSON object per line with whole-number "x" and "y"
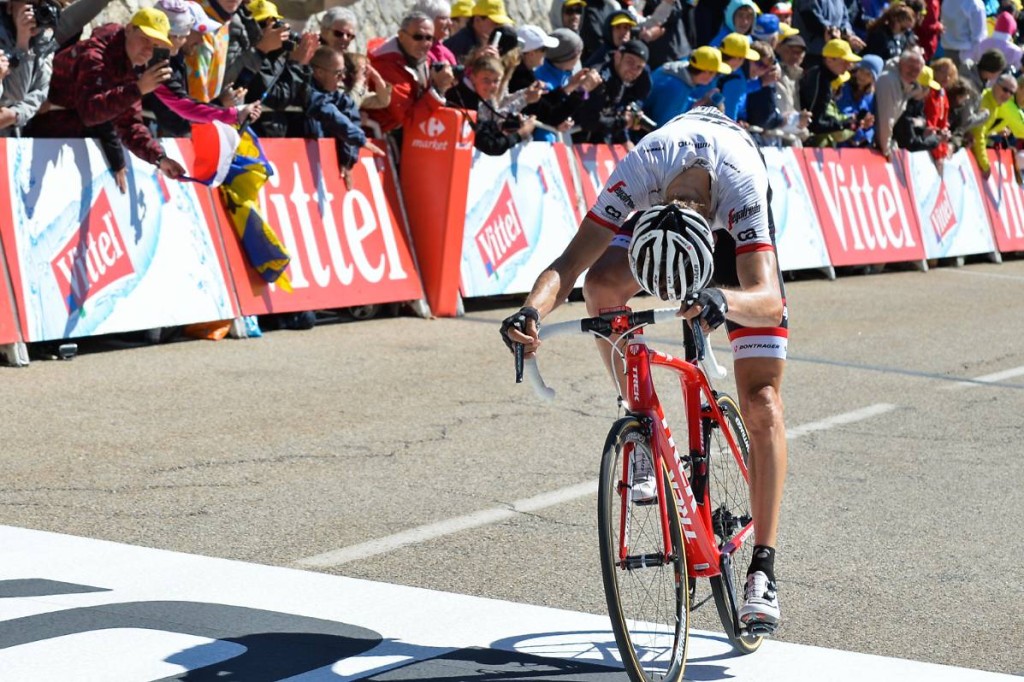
{"x": 988, "y": 378}
{"x": 432, "y": 531}
{"x": 997, "y": 275}
{"x": 840, "y": 419}
{"x": 447, "y": 527}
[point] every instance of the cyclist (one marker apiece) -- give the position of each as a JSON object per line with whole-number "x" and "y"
{"x": 698, "y": 169}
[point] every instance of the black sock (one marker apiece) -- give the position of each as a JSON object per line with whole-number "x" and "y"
{"x": 764, "y": 561}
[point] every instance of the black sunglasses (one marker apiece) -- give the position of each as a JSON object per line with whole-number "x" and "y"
{"x": 420, "y": 37}
{"x": 575, "y": 9}
{"x": 342, "y": 34}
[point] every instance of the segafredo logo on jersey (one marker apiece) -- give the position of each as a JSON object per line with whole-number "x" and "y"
{"x": 502, "y": 235}
{"x": 618, "y": 189}
{"x": 742, "y": 214}
{"x": 93, "y": 258}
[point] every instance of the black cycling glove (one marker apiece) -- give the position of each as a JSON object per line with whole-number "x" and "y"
{"x": 714, "y": 306}
{"x": 518, "y": 320}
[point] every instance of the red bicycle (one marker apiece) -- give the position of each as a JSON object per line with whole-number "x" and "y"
{"x": 692, "y": 521}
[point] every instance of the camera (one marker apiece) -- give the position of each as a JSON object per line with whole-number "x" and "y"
{"x": 511, "y": 123}
{"x": 293, "y": 37}
{"x": 640, "y": 119}
{"x": 160, "y": 54}
{"x": 46, "y": 13}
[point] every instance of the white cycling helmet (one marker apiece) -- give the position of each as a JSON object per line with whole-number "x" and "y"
{"x": 671, "y": 252}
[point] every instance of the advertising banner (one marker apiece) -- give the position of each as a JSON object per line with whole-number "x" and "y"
{"x": 1004, "y": 198}
{"x": 347, "y": 246}
{"x": 864, "y": 206}
{"x": 9, "y": 332}
{"x": 950, "y": 209}
{"x": 436, "y": 158}
{"x": 798, "y": 234}
{"x": 86, "y": 259}
{"x": 597, "y": 161}
{"x": 520, "y": 217}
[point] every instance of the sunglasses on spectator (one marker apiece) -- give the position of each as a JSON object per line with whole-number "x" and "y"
{"x": 420, "y": 37}
{"x": 575, "y": 9}
{"x": 342, "y": 34}
{"x": 339, "y": 73}
{"x": 1007, "y": 90}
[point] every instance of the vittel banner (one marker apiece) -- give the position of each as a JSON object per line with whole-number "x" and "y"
{"x": 1005, "y": 200}
{"x": 864, "y": 205}
{"x": 950, "y": 208}
{"x": 347, "y": 246}
{"x": 597, "y": 161}
{"x": 519, "y": 217}
{"x": 86, "y": 259}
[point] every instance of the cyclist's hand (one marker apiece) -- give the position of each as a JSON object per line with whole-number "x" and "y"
{"x": 522, "y": 327}
{"x": 709, "y": 305}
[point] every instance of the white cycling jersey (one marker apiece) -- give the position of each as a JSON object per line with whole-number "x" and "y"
{"x": 706, "y": 138}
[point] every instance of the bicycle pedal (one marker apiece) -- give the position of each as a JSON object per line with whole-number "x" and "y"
{"x": 759, "y": 629}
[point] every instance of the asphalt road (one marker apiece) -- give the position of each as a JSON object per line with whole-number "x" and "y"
{"x": 901, "y": 533}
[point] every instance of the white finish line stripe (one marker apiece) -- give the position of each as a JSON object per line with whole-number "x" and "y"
{"x": 447, "y": 527}
{"x": 431, "y": 531}
{"x": 840, "y": 419}
{"x": 989, "y": 378}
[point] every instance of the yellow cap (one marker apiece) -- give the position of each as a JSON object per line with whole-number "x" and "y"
{"x": 623, "y": 18}
{"x": 153, "y": 23}
{"x": 570, "y": 3}
{"x": 738, "y": 45}
{"x": 262, "y": 10}
{"x": 493, "y": 10}
{"x": 839, "y": 49}
{"x": 927, "y": 78}
{"x": 787, "y": 31}
{"x": 708, "y": 58}
{"x": 462, "y": 8}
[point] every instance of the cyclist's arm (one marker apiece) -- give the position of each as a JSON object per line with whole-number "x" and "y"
{"x": 556, "y": 282}
{"x": 758, "y": 301}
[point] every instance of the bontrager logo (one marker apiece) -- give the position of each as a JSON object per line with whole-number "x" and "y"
{"x": 93, "y": 258}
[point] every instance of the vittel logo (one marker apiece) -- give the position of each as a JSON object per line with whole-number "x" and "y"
{"x": 358, "y": 231}
{"x": 943, "y": 218}
{"x": 93, "y": 259}
{"x": 501, "y": 236}
{"x": 1009, "y": 199}
{"x": 867, "y": 215}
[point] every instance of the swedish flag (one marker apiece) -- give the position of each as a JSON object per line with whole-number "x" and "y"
{"x": 248, "y": 172}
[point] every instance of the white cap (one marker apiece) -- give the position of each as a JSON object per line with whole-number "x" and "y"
{"x": 204, "y": 24}
{"x": 534, "y": 37}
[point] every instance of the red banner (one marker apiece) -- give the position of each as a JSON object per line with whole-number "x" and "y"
{"x": 1004, "y": 199}
{"x": 348, "y": 247}
{"x": 865, "y": 207}
{"x": 436, "y": 158}
{"x": 9, "y": 332}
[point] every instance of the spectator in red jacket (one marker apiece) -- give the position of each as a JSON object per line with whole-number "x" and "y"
{"x": 936, "y": 115}
{"x": 96, "y": 82}
{"x": 402, "y": 61}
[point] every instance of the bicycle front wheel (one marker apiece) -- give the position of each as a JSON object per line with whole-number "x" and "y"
{"x": 644, "y": 580}
{"x": 729, "y": 494}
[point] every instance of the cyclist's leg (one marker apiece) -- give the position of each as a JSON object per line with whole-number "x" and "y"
{"x": 609, "y": 284}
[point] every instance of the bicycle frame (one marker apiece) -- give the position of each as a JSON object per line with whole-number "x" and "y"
{"x": 703, "y": 558}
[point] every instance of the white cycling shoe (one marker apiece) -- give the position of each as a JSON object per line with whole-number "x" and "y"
{"x": 645, "y": 487}
{"x": 760, "y": 610}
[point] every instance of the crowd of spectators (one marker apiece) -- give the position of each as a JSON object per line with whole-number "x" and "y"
{"x": 909, "y": 74}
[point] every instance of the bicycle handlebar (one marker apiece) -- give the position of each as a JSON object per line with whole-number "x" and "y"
{"x": 603, "y": 326}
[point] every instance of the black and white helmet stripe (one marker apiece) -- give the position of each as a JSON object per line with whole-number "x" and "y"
{"x": 671, "y": 252}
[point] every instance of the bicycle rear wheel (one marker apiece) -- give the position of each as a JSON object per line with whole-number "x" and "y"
{"x": 647, "y": 594}
{"x": 729, "y": 495}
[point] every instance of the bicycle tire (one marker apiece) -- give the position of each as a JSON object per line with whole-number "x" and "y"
{"x": 655, "y": 596}
{"x": 729, "y": 494}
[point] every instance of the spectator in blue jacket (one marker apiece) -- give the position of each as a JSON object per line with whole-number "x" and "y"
{"x": 857, "y": 98}
{"x": 677, "y": 87}
{"x": 738, "y": 54}
{"x": 739, "y": 18}
{"x": 561, "y": 74}
{"x": 332, "y": 113}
